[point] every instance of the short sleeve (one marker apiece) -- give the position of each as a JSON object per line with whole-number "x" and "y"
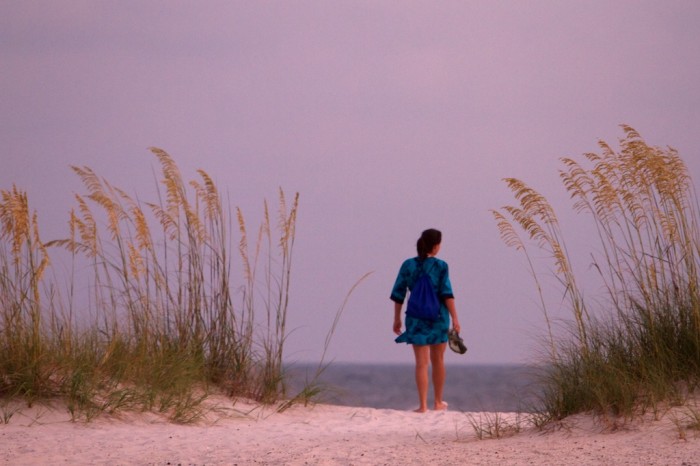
{"x": 400, "y": 289}
{"x": 445, "y": 284}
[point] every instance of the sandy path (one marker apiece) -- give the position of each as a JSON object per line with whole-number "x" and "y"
{"x": 334, "y": 435}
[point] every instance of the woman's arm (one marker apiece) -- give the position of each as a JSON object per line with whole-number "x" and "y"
{"x": 397, "y": 318}
{"x": 450, "y": 304}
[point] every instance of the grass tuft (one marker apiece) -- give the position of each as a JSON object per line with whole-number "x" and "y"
{"x": 642, "y": 351}
{"x": 157, "y": 327}
{"x": 494, "y": 425}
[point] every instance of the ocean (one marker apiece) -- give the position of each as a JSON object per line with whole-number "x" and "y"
{"x": 471, "y": 388}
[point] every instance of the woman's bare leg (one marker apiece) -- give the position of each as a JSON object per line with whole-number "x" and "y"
{"x": 422, "y": 353}
{"x": 437, "y": 360}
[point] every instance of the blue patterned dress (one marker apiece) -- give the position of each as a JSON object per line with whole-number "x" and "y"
{"x": 418, "y": 331}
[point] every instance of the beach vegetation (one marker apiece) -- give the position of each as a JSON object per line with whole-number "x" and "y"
{"x": 686, "y": 420}
{"x": 487, "y": 425}
{"x": 637, "y": 347}
{"x": 145, "y": 305}
{"x": 313, "y": 387}
{"x": 8, "y": 408}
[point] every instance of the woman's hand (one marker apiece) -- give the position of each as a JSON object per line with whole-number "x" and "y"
{"x": 397, "y": 326}
{"x": 456, "y": 326}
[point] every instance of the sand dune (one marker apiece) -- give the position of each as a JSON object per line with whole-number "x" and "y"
{"x": 244, "y": 434}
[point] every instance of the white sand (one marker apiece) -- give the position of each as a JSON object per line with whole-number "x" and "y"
{"x": 329, "y": 435}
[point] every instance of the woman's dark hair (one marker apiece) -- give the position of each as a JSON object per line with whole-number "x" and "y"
{"x": 427, "y": 241}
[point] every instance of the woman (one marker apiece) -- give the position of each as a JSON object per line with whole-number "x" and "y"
{"x": 429, "y": 338}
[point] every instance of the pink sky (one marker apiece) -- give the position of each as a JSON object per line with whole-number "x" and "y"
{"x": 387, "y": 116}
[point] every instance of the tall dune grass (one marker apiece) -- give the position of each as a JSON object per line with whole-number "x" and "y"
{"x": 155, "y": 326}
{"x": 644, "y": 349}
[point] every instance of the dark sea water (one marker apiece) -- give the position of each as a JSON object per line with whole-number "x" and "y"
{"x": 469, "y": 388}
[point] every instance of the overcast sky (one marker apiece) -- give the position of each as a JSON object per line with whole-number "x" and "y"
{"x": 388, "y": 117}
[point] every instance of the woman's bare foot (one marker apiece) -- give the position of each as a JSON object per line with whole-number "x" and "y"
{"x": 420, "y": 410}
{"x": 442, "y": 406}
